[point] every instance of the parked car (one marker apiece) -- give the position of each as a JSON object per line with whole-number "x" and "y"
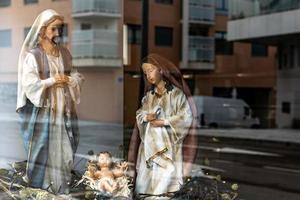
{"x": 217, "y": 112}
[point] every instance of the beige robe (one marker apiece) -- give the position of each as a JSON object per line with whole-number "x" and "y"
{"x": 159, "y": 164}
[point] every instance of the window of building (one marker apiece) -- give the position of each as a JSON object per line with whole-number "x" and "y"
{"x": 65, "y": 30}
{"x": 85, "y": 26}
{"x": 298, "y": 56}
{"x": 222, "y": 46}
{"x": 221, "y": 6}
{"x": 286, "y": 107}
{"x": 291, "y": 56}
{"x": 196, "y": 29}
{"x": 280, "y": 60}
{"x": 5, "y": 38}
{"x": 285, "y": 60}
{"x": 164, "y": 1}
{"x": 30, "y": 1}
{"x": 26, "y": 31}
{"x": 65, "y": 33}
{"x": 283, "y": 57}
{"x": 163, "y": 36}
{"x": 134, "y": 34}
{"x": 259, "y": 50}
{"x": 5, "y": 3}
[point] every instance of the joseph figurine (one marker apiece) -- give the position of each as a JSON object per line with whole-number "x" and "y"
{"x": 48, "y": 89}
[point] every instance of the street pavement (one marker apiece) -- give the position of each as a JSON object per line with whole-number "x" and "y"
{"x": 265, "y": 163}
{"x": 95, "y": 136}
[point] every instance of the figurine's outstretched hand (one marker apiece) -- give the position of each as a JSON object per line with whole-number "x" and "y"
{"x": 157, "y": 123}
{"x": 61, "y": 80}
{"x": 151, "y": 116}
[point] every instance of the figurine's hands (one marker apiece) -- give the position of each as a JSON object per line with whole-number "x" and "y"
{"x": 157, "y": 123}
{"x": 123, "y": 166}
{"x": 61, "y": 79}
{"x": 65, "y": 78}
{"x": 150, "y": 117}
{"x": 58, "y": 78}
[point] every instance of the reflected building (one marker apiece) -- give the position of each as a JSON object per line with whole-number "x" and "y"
{"x": 273, "y": 23}
{"x": 92, "y": 32}
{"x": 193, "y": 34}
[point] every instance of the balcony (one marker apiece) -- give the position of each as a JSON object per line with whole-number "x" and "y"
{"x": 96, "y": 8}
{"x": 260, "y": 21}
{"x": 201, "y": 49}
{"x": 96, "y": 47}
{"x": 239, "y": 9}
{"x": 201, "y": 52}
{"x": 201, "y": 11}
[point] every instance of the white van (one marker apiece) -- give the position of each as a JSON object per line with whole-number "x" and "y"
{"x": 224, "y": 112}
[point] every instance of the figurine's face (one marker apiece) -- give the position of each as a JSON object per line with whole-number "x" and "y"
{"x": 54, "y": 31}
{"x": 152, "y": 73}
{"x": 104, "y": 160}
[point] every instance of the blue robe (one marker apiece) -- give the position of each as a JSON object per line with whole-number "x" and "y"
{"x": 36, "y": 123}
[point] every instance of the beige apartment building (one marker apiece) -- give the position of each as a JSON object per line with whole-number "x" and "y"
{"x": 92, "y": 33}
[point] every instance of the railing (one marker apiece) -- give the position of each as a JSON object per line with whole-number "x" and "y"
{"x": 201, "y": 10}
{"x": 95, "y": 44}
{"x": 98, "y": 6}
{"x": 201, "y": 49}
{"x": 205, "y": 3}
{"x": 239, "y": 9}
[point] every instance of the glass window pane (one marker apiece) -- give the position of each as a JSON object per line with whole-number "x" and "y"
{"x": 5, "y": 38}
{"x": 163, "y": 36}
{"x": 30, "y": 1}
{"x": 5, "y": 3}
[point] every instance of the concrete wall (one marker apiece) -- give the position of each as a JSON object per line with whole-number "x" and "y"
{"x": 276, "y": 24}
{"x": 288, "y": 88}
{"x": 102, "y": 95}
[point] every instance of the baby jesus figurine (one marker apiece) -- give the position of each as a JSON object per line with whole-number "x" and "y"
{"x": 107, "y": 176}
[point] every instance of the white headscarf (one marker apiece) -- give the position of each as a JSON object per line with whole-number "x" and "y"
{"x": 30, "y": 42}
